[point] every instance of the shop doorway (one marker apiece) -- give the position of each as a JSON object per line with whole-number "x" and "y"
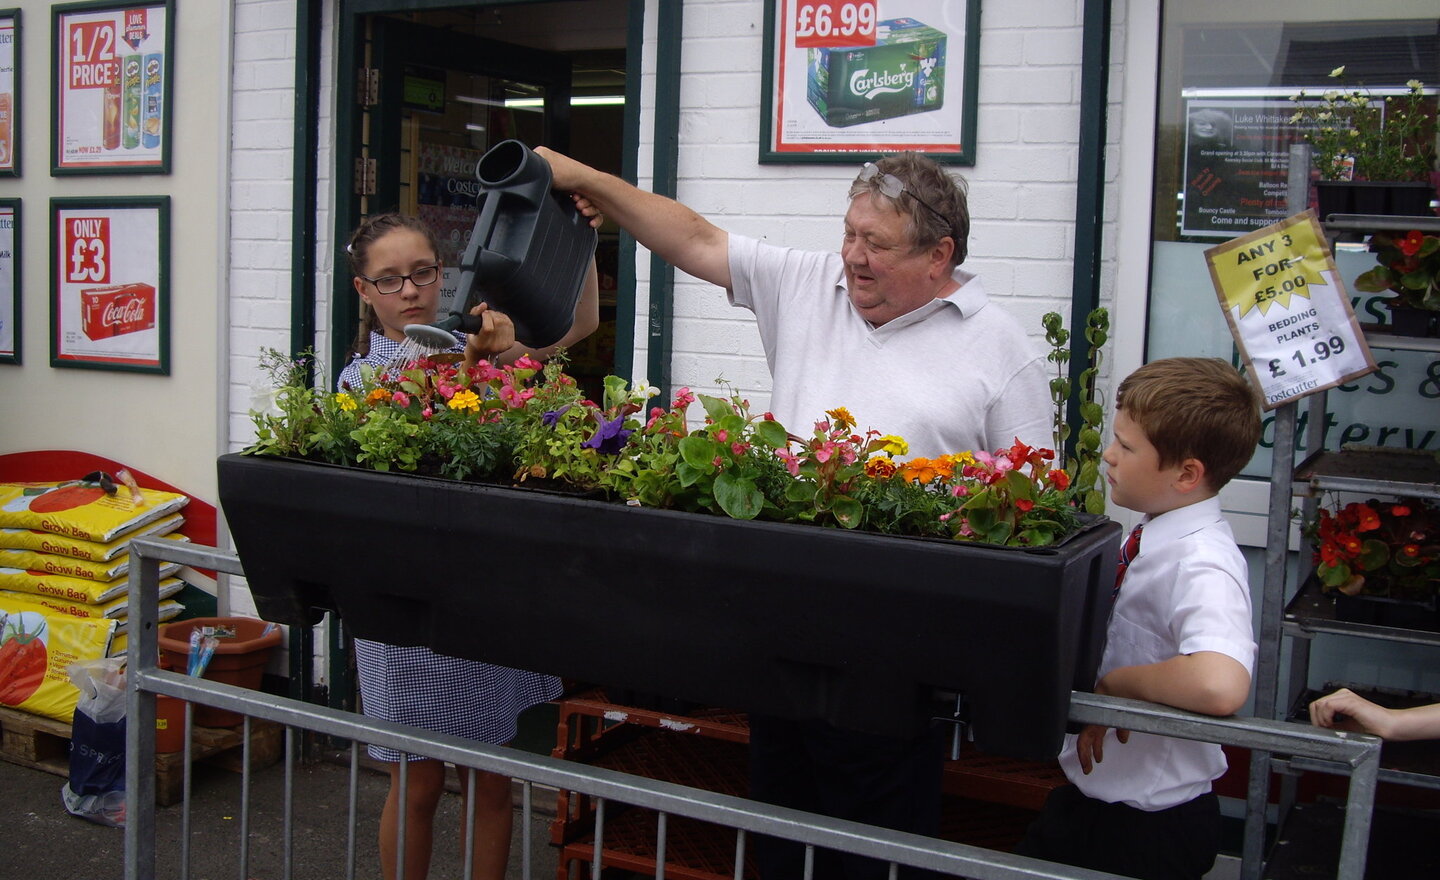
{"x": 435, "y": 89}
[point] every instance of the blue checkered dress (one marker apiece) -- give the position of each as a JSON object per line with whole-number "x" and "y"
{"x": 443, "y": 694}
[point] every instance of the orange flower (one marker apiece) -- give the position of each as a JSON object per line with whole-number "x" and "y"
{"x": 924, "y": 470}
{"x": 880, "y": 468}
{"x": 379, "y": 395}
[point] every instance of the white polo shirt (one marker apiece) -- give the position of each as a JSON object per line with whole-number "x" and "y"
{"x": 958, "y": 374}
{"x": 1185, "y": 591}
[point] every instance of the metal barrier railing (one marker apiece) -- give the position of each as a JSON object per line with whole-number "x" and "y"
{"x": 1360, "y": 754}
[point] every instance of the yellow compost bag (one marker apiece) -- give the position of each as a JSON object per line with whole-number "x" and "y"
{"x": 169, "y": 610}
{"x": 83, "y": 511}
{"x": 112, "y": 609}
{"x": 60, "y": 545}
{"x": 54, "y": 563}
{"x": 72, "y": 588}
{"x": 37, "y": 646}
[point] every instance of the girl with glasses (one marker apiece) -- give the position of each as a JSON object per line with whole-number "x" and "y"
{"x": 397, "y": 270}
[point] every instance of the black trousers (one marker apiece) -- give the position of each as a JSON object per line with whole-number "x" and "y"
{"x": 1178, "y": 843}
{"x": 844, "y": 774}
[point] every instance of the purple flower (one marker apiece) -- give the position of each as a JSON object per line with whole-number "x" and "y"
{"x": 551, "y": 418}
{"x": 609, "y": 438}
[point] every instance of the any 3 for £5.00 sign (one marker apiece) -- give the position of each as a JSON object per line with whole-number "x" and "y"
{"x": 1287, "y": 309}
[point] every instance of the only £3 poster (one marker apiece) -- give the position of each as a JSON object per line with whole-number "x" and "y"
{"x": 110, "y": 306}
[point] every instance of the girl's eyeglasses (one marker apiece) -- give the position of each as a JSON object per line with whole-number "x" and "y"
{"x": 892, "y": 186}
{"x": 388, "y": 284}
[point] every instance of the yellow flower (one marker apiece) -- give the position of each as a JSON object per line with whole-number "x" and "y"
{"x": 466, "y": 400}
{"x": 963, "y": 458}
{"x": 344, "y": 401}
{"x": 843, "y": 420}
{"x": 894, "y": 444}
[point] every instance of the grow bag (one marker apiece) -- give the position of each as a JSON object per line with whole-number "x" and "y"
{"x": 791, "y": 620}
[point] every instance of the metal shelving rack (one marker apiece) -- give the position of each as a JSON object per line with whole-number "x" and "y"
{"x": 1306, "y": 613}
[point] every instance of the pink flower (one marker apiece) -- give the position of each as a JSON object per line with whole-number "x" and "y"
{"x": 426, "y": 412}
{"x": 792, "y": 461}
{"x": 718, "y": 462}
{"x": 401, "y": 399}
{"x": 722, "y": 435}
{"x": 683, "y": 398}
{"x": 737, "y": 448}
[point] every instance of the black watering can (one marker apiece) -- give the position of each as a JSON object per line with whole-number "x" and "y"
{"x": 527, "y": 255}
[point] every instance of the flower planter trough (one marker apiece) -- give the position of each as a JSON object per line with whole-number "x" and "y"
{"x": 799, "y": 621}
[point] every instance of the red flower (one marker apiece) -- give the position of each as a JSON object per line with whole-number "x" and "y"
{"x": 1410, "y": 244}
{"x": 1369, "y": 519}
{"x": 1024, "y": 505}
{"x": 1400, "y": 510}
{"x": 1410, "y": 550}
{"x": 1059, "y": 479}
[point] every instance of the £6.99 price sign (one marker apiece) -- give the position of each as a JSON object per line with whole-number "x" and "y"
{"x": 108, "y": 274}
{"x": 817, "y": 23}
{"x": 1288, "y": 311}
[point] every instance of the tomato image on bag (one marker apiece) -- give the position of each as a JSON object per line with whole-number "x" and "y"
{"x": 37, "y": 646}
{"x": 23, "y": 657}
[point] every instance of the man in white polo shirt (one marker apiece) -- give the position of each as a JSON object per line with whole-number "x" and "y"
{"x": 894, "y": 331}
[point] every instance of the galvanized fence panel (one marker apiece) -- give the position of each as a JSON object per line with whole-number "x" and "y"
{"x": 1357, "y": 755}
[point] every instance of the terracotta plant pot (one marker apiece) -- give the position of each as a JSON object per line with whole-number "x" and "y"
{"x": 791, "y": 620}
{"x": 239, "y": 661}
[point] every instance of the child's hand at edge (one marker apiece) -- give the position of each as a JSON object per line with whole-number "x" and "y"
{"x": 1090, "y": 745}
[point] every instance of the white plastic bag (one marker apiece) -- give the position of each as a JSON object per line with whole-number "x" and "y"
{"x": 96, "y": 789}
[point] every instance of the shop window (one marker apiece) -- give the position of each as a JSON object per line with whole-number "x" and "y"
{"x": 1222, "y": 163}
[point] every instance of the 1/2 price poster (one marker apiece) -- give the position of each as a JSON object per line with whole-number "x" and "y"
{"x": 1288, "y": 311}
{"x": 112, "y": 84}
{"x": 109, "y": 272}
{"x": 851, "y": 77}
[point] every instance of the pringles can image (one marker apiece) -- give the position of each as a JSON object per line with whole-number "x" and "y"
{"x": 903, "y": 73}
{"x": 153, "y": 105}
{"x": 110, "y": 130}
{"x": 116, "y": 310}
{"x": 130, "y": 80}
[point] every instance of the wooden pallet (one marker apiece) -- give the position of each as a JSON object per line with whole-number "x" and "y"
{"x": 44, "y": 744}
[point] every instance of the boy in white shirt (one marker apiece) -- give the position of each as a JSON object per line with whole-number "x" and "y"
{"x": 1180, "y": 633}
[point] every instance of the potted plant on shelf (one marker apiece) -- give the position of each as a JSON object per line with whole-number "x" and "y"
{"x": 1374, "y": 154}
{"x": 1409, "y": 267}
{"x": 715, "y": 557}
{"x": 1381, "y": 560}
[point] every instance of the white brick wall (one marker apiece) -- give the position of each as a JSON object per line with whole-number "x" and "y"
{"x": 1022, "y": 186}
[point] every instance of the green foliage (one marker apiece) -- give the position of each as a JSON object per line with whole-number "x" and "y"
{"x": 1086, "y": 488}
{"x": 531, "y": 424}
{"x": 1352, "y": 132}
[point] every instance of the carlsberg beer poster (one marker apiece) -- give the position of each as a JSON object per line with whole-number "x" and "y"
{"x": 858, "y": 76}
{"x": 1288, "y": 311}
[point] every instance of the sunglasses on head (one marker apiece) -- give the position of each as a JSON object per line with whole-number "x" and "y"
{"x": 893, "y": 187}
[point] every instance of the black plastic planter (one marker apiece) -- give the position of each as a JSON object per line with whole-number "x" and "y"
{"x": 797, "y": 621}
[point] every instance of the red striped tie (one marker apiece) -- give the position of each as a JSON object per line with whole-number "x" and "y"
{"x": 1127, "y": 553}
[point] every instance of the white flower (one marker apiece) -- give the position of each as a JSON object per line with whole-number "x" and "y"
{"x": 1339, "y": 71}
{"x": 264, "y": 399}
{"x": 1414, "y": 85}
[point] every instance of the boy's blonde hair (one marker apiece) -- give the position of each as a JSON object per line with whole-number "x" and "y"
{"x": 1198, "y": 408}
